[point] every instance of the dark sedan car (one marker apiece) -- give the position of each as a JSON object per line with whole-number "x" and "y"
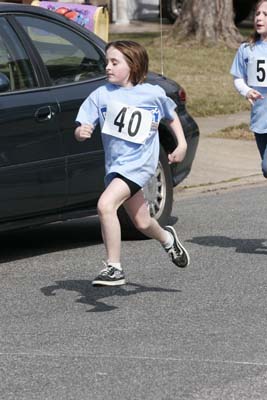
{"x": 48, "y": 66}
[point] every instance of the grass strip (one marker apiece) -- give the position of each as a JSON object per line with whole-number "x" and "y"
{"x": 202, "y": 71}
{"x": 239, "y": 132}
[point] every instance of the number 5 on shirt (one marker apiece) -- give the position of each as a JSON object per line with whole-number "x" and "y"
{"x": 257, "y": 72}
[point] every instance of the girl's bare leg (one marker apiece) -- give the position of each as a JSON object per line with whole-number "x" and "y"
{"x": 111, "y": 199}
{"x": 137, "y": 210}
{"x": 139, "y": 214}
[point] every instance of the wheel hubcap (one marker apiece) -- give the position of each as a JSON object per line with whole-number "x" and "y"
{"x": 155, "y": 193}
{"x": 176, "y": 7}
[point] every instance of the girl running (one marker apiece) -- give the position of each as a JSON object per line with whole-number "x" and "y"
{"x": 129, "y": 112}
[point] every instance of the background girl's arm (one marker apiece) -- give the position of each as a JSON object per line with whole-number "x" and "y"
{"x": 251, "y": 94}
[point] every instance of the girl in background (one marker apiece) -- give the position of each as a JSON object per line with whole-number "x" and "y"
{"x": 249, "y": 70}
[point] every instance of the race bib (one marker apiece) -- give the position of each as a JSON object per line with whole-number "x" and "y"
{"x": 127, "y": 122}
{"x": 257, "y": 72}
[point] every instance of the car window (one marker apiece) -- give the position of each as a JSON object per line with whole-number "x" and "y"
{"x": 14, "y": 62}
{"x": 68, "y": 56}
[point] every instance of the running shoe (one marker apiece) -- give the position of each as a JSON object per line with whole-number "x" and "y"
{"x": 177, "y": 252}
{"x": 110, "y": 276}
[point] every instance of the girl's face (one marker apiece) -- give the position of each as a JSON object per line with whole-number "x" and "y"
{"x": 260, "y": 20}
{"x": 117, "y": 69}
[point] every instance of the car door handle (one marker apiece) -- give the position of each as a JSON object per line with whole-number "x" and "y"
{"x": 44, "y": 114}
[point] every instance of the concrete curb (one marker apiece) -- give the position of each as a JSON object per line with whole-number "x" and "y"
{"x": 203, "y": 189}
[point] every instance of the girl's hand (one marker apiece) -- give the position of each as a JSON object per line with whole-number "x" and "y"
{"x": 83, "y": 132}
{"x": 178, "y": 154}
{"x": 253, "y": 95}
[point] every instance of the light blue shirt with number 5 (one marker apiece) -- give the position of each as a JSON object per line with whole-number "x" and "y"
{"x": 131, "y": 143}
{"x": 250, "y": 63}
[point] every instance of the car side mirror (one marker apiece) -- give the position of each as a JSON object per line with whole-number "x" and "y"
{"x": 4, "y": 83}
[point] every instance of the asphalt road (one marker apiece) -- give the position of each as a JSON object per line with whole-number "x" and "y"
{"x": 170, "y": 334}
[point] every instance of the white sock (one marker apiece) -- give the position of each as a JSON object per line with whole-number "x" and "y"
{"x": 115, "y": 265}
{"x": 169, "y": 241}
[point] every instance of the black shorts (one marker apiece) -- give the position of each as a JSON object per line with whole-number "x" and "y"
{"x": 134, "y": 188}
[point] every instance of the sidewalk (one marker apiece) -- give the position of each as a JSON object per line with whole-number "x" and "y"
{"x": 222, "y": 163}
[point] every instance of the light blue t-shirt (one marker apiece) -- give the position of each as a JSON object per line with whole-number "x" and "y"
{"x": 246, "y": 55}
{"x": 137, "y": 162}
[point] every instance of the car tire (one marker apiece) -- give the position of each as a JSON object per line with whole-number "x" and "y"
{"x": 172, "y": 9}
{"x": 242, "y": 9}
{"x": 159, "y": 196}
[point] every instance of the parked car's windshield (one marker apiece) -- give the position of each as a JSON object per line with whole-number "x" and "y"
{"x": 68, "y": 57}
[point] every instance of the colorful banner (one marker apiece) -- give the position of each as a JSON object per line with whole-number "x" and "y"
{"x": 93, "y": 18}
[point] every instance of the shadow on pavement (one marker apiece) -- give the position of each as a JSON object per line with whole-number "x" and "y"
{"x": 92, "y": 295}
{"x": 49, "y": 238}
{"x": 249, "y": 246}
{"x": 59, "y": 236}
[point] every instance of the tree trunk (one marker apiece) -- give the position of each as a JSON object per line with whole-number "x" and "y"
{"x": 207, "y": 22}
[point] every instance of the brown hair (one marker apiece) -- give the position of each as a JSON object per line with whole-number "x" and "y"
{"x": 136, "y": 57}
{"x": 255, "y": 36}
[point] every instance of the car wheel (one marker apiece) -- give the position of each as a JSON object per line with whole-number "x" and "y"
{"x": 159, "y": 196}
{"x": 172, "y": 9}
{"x": 159, "y": 191}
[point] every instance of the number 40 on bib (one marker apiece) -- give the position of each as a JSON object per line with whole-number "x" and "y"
{"x": 127, "y": 122}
